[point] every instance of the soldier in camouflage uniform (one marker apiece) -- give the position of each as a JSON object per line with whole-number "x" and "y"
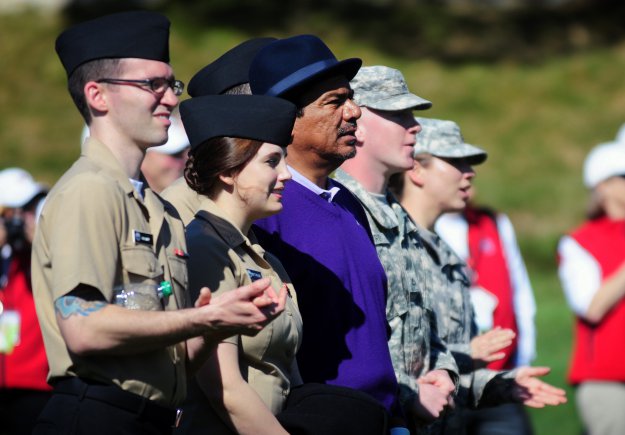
{"x": 386, "y": 134}
{"x": 425, "y": 195}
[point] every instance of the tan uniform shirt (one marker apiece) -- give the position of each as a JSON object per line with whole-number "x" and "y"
{"x": 184, "y": 199}
{"x": 90, "y": 233}
{"x": 222, "y": 258}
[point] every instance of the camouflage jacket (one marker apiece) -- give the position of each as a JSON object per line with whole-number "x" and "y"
{"x": 414, "y": 343}
{"x": 454, "y": 314}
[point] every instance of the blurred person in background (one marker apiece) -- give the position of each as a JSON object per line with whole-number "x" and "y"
{"x": 163, "y": 164}
{"x": 437, "y": 184}
{"x": 501, "y": 295}
{"x": 23, "y": 364}
{"x": 592, "y": 273}
{"x": 425, "y": 369}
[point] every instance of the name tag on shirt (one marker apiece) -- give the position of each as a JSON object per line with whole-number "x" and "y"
{"x": 142, "y": 238}
{"x": 254, "y": 274}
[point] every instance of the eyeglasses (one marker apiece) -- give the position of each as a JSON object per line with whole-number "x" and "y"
{"x": 157, "y": 85}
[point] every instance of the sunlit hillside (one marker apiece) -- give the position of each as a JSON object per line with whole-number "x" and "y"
{"x": 536, "y": 119}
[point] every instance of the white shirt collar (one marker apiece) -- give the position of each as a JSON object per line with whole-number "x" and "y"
{"x": 138, "y": 185}
{"x": 299, "y": 178}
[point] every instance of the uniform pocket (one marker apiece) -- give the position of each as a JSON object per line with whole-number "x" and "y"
{"x": 179, "y": 278}
{"x": 140, "y": 264}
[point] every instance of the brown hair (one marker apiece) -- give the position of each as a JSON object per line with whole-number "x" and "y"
{"x": 217, "y": 156}
{"x": 87, "y": 72}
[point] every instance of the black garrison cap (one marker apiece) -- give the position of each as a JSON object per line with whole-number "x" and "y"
{"x": 257, "y": 117}
{"x": 229, "y": 70}
{"x": 139, "y": 34}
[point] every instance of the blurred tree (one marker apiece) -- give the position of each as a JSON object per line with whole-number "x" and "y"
{"x": 449, "y": 30}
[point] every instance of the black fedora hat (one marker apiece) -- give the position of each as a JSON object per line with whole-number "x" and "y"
{"x": 257, "y": 117}
{"x": 229, "y": 70}
{"x": 287, "y": 64}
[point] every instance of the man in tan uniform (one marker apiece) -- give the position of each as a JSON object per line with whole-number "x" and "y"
{"x": 103, "y": 231}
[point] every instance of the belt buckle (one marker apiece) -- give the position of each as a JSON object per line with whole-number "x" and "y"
{"x": 179, "y": 413}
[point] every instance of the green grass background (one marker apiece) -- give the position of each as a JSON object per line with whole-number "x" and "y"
{"x": 536, "y": 119}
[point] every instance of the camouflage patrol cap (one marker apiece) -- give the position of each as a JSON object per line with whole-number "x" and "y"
{"x": 383, "y": 88}
{"x": 443, "y": 139}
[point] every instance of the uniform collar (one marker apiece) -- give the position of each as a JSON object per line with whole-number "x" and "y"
{"x": 100, "y": 154}
{"x": 442, "y": 248}
{"x": 371, "y": 204}
{"x": 327, "y": 194}
{"x": 430, "y": 237}
{"x": 210, "y": 212}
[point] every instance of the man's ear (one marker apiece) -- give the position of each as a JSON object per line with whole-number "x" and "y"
{"x": 95, "y": 97}
{"x": 416, "y": 175}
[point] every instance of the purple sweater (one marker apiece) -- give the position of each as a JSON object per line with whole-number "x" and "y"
{"x": 341, "y": 290}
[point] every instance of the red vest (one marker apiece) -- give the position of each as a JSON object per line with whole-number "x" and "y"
{"x": 599, "y": 350}
{"x": 488, "y": 262}
{"x": 26, "y": 367}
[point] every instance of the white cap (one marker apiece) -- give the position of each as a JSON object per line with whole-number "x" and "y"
{"x": 177, "y": 141}
{"x": 604, "y": 161}
{"x": 17, "y": 188}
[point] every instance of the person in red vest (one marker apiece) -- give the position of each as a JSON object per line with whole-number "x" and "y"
{"x": 23, "y": 363}
{"x": 501, "y": 294}
{"x": 592, "y": 272}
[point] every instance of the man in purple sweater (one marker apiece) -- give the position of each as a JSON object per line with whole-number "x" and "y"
{"x": 328, "y": 254}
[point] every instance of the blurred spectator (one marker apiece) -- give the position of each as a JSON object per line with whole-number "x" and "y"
{"x": 501, "y": 294}
{"x": 163, "y": 164}
{"x": 23, "y": 363}
{"x": 592, "y": 272}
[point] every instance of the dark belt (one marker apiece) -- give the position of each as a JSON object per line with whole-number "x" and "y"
{"x": 113, "y": 395}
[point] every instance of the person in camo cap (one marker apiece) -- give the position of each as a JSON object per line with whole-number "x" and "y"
{"x": 425, "y": 369}
{"x": 439, "y": 183}
{"x": 383, "y": 88}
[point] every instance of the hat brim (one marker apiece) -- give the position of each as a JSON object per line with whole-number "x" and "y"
{"x": 310, "y": 74}
{"x": 473, "y": 154}
{"x": 401, "y": 102}
{"x": 477, "y": 159}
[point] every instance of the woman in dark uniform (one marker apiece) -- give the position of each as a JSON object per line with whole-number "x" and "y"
{"x": 236, "y": 165}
